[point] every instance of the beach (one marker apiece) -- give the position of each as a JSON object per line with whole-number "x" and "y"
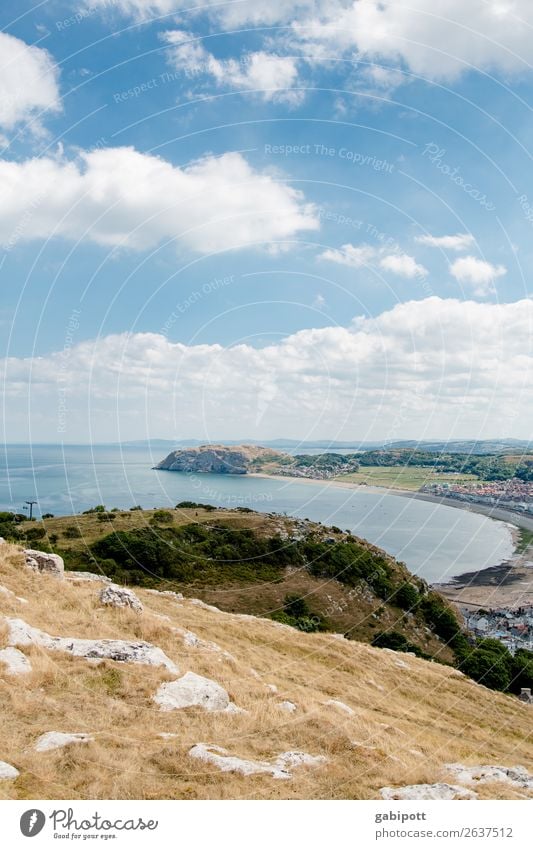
{"x": 507, "y": 584}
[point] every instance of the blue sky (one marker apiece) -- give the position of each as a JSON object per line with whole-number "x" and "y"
{"x": 235, "y": 180}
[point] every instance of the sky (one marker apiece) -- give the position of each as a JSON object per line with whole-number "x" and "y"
{"x": 231, "y": 220}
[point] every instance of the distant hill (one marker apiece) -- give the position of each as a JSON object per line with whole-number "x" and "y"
{"x": 219, "y": 459}
{"x": 456, "y": 446}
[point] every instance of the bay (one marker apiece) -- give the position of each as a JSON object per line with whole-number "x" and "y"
{"x": 435, "y": 541}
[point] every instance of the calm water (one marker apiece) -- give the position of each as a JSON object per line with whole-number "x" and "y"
{"x": 434, "y": 541}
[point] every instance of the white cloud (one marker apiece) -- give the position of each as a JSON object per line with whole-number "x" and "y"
{"x": 403, "y": 265}
{"x": 477, "y": 273}
{"x": 432, "y": 368}
{"x": 354, "y": 256}
{"x": 459, "y": 242}
{"x": 28, "y": 83}
{"x": 361, "y": 256}
{"x": 265, "y": 74}
{"x": 118, "y": 196}
{"x": 230, "y": 14}
{"x": 437, "y": 39}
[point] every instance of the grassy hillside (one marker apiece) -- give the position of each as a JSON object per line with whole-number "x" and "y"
{"x": 409, "y": 717}
{"x": 252, "y": 563}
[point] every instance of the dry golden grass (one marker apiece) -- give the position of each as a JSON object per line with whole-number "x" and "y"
{"x": 408, "y": 722}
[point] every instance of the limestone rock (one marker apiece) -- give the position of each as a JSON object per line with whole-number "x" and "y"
{"x": 8, "y": 771}
{"x": 296, "y": 759}
{"x": 42, "y": 561}
{"x": 169, "y": 593}
{"x": 116, "y": 596}
{"x": 123, "y": 651}
{"x": 228, "y": 763}
{"x": 17, "y": 663}
{"x": 419, "y": 792}
{"x": 58, "y": 739}
{"x": 193, "y": 690}
{"x": 341, "y": 706}
{"x": 517, "y": 775}
{"x": 87, "y": 576}
{"x": 290, "y": 707}
{"x": 280, "y": 768}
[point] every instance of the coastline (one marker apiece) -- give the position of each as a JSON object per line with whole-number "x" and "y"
{"x": 507, "y": 584}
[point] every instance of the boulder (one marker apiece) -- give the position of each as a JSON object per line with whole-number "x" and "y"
{"x": 419, "y": 792}
{"x": 123, "y": 651}
{"x": 16, "y": 662}
{"x": 193, "y": 690}
{"x": 517, "y": 775}
{"x": 116, "y": 596}
{"x": 42, "y": 561}
{"x": 287, "y": 706}
{"x": 8, "y": 771}
{"x": 58, "y": 739}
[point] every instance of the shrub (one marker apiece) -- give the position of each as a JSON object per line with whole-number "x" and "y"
{"x": 33, "y": 534}
{"x": 48, "y": 515}
{"x": 397, "y": 642}
{"x": 162, "y": 517}
{"x": 72, "y": 532}
{"x": 406, "y": 596}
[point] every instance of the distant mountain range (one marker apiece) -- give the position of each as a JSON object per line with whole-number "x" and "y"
{"x": 456, "y": 446}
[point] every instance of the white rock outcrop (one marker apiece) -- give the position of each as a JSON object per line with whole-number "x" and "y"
{"x": 116, "y": 596}
{"x": 42, "y": 561}
{"x": 287, "y": 706}
{"x": 193, "y": 690}
{"x": 280, "y": 768}
{"x": 517, "y": 775}
{"x": 58, "y": 739}
{"x": 7, "y": 771}
{"x": 17, "y": 663}
{"x": 123, "y": 651}
{"x": 169, "y": 593}
{"x": 419, "y": 792}
{"x": 340, "y": 706}
{"x": 87, "y": 576}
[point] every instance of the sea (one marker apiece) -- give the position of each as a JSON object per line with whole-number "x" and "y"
{"x": 436, "y": 542}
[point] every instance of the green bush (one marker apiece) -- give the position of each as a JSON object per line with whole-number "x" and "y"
{"x": 406, "y": 597}
{"x": 162, "y": 517}
{"x": 33, "y": 534}
{"x": 72, "y": 532}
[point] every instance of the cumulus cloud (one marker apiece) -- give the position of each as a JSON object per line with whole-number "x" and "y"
{"x": 119, "y": 196}
{"x": 404, "y": 265}
{"x": 471, "y": 271}
{"x": 28, "y": 83}
{"x": 361, "y": 256}
{"x": 434, "y": 368}
{"x": 459, "y": 242}
{"x": 266, "y": 74}
{"x": 437, "y": 39}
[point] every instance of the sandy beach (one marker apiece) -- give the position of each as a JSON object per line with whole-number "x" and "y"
{"x": 508, "y": 584}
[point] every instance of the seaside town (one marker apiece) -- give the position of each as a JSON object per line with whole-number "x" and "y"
{"x": 513, "y": 628}
{"x": 513, "y": 494}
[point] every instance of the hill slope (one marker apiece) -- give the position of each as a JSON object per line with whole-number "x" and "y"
{"x": 247, "y": 562}
{"x": 368, "y": 717}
